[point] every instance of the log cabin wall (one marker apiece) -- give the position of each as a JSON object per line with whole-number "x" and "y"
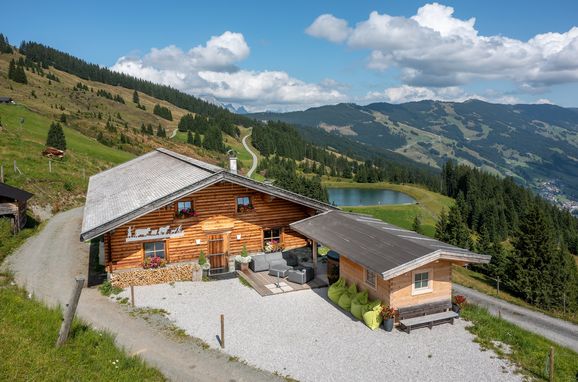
{"x": 216, "y": 214}
{"x": 401, "y": 286}
{"x": 355, "y": 273}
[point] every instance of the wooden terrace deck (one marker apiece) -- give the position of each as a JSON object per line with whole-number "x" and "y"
{"x": 265, "y": 284}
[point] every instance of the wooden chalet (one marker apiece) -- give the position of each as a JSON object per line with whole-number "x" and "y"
{"x": 13, "y": 205}
{"x": 173, "y": 206}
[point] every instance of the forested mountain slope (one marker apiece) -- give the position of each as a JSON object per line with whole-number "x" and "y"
{"x": 533, "y": 143}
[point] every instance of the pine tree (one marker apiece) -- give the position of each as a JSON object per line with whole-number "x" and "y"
{"x": 190, "y": 138}
{"x": 441, "y": 232}
{"x": 150, "y": 129}
{"x": 135, "y": 98}
{"x": 56, "y": 137}
{"x": 143, "y": 128}
{"x": 535, "y": 259}
{"x": 197, "y": 140}
{"x": 12, "y": 70}
{"x": 416, "y": 226}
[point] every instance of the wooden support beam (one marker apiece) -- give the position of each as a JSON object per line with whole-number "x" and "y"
{"x": 314, "y": 250}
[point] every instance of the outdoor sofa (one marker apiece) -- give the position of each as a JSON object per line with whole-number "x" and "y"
{"x": 262, "y": 261}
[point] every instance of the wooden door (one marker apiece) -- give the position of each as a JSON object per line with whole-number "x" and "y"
{"x": 217, "y": 251}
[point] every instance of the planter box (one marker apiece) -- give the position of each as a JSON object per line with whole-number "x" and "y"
{"x": 197, "y": 274}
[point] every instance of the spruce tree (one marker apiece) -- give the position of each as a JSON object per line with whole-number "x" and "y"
{"x": 190, "y": 138}
{"x": 416, "y": 226}
{"x": 12, "y": 70}
{"x": 441, "y": 232}
{"x": 56, "y": 137}
{"x": 533, "y": 266}
{"x": 135, "y": 97}
{"x": 197, "y": 140}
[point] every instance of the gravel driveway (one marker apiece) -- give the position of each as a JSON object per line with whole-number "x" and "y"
{"x": 304, "y": 336}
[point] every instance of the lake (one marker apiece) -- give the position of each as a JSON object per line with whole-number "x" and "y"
{"x": 367, "y": 197}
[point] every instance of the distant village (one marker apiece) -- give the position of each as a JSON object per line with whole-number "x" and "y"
{"x": 550, "y": 190}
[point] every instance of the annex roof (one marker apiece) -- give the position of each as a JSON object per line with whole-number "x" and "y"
{"x": 379, "y": 246}
{"x": 132, "y": 189}
{"x": 14, "y": 193}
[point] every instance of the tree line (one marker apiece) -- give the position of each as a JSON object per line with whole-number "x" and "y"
{"x": 531, "y": 241}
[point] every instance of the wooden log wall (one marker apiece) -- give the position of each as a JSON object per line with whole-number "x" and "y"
{"x": 354, "y": 273}
{"x": 216, "y": 214}
{"x": 401, "y": 286}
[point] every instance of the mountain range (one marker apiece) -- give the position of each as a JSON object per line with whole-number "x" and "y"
{"x": 532, "y": 143}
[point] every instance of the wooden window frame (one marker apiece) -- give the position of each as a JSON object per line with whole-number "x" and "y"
{"x": 237, "y": 197}
{"x": 166, "y": 249}
{"x": 429, "y": 289}
{"x": 176, "y": 209}
{"x": 365, "y": 274}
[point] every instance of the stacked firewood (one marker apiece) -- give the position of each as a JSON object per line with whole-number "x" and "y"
{"x": 184, "y": 272}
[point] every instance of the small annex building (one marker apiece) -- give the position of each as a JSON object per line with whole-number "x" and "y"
{"x": 397, "y": 266}
{"x": 13, "y": 205}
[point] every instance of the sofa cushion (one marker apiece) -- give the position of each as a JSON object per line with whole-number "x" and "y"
{"x": 291, "y": 259}
{"x": 259, "y": 263}
{"x": 278, "y": 264}
{"x": 273, "y": 256}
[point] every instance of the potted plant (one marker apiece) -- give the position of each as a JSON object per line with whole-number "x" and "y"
{"x": 388, "y": 314}
{"x": 458, "y": 302}
{"x": 205, "y": 265}
{"x": 272, "y": 246}
{"x": 186, "y": 213}
{"x": 243, "y": 259}
{"x": 154, "y": 262}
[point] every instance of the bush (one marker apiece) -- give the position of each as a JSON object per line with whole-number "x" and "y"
{"x": 108, "y": 289}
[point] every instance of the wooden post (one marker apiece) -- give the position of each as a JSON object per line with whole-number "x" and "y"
{"x": 551, "y": 371}
{"x": 49, "y": 165}
{"x": 498, "y": 285}
{"x": 499, "y": 313}
{"x": 15, "y": 166}
{"x": 314, "y": 251}
{"x": 2, "y": 172}
{"x": 222, "y": 331}
{"x": 70, "y": 311}
{"x": 132, "y": 295}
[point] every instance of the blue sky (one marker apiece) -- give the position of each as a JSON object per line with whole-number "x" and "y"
{"x": 277, "y": 56}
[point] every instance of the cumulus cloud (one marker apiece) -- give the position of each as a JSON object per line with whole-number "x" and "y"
{"x": 211, "y": 71}
{"x": 435, "y": 49}
{"x": 329, "y": 27}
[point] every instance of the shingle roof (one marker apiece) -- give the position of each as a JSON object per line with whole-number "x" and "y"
{"x": 379, "y": 246}
{"x": 141, "y": 185}
{"x": 14, "y": 193}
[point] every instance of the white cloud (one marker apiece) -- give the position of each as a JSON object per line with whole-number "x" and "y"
{"x": 543, "y": 101}
{"x": 330, "y": 28}
{"x": 435, "y": 49}
{"x": 210, "y": 71}
{"x": 406, "y": 93}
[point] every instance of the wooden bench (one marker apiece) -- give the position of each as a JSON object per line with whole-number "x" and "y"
{"x": 426, "y": 315}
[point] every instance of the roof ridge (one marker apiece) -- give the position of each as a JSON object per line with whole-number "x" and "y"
{"x": 187, "y": 159}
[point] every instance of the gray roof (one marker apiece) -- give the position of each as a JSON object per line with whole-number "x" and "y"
{"x": 132, "y": 189}
{"x": 379, "y": 246}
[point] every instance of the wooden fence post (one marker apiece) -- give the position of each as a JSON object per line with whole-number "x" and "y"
{"x": 132, "y": 295}
{"x": 2, "y": 172}
{"x": 15, "y": 166}
{"x": 551, "y": 370}
{"x": 70, "y": 311}
{"x": 498, "y": 285}
{"x": 49, "y": 165}
{"x": 222, "y": 331}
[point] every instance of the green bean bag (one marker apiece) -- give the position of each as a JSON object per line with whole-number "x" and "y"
{"x": 345, "y": 299}
{"x": 372, "y": 317}
{"x": 358, "y": 303}
{"x": 336, "y": 290}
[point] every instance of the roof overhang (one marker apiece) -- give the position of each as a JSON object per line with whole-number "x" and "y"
{"x": 211, "y": 180}
{"x": 435, "y": 256}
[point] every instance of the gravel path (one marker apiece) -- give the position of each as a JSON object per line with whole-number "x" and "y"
{"x": 255, "y": 159}
{"x": 562, "y": 332}
{"x": 46, "y": 266}
{"x": 304, "y": 336}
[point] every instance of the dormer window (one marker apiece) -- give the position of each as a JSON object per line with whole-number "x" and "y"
{"x": 244, "y": 204}
{"x": 185, "y": 210}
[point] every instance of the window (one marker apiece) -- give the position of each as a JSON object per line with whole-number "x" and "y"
{"x": 156, "y": 248}
{"x": 185, "y": 209}
{"x": 244, "y": 204}
{"x": 370, "y": 278}
{"x": 272, "y": 240}
{"x": 422, "y": 281}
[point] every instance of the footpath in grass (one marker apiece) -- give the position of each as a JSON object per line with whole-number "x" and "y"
{"x": 483, "y": 283}
{"x": 527, "y": 350}
{"x": 29, "y": 332}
